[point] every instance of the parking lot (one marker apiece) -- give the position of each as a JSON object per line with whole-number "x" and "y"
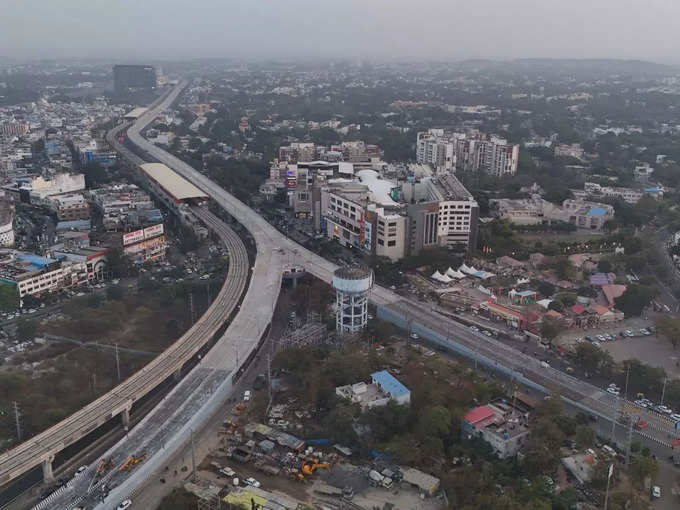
{"x": 651, "y": 350}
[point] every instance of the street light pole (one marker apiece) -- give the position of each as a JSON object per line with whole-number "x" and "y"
{"x": 663, "y": 390}
{"x": 627, "y": 374}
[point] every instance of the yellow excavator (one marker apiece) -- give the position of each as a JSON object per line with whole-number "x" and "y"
{"x": 131, "y": 462}
{"x": 310, "y": 465}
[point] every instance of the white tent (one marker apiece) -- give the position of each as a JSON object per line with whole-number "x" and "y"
{"x": 454, "y": 274}
{"x": 522, "y": 281}
{"x": 440, "y": 277}
{"x": 465, "y": 269}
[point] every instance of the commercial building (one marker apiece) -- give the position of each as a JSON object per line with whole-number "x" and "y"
{"x": 144, "y": 244}
{"x": 573, "y": 150}
{"x": 441, "y": 212}
{"x": 6, "y": 222}
{"x": 535, "y": 211}
{"x": 119, "y": 204}
{"x": 31, "y": 274}
{"x": 384, "y": 387}
{"x": 133, "y": 77}
{"x": 632, "y": 196}
{"x": 503, "y": 426}
{"x": 39, "y": 188}
{"x": 69, "y": 206}
{"x": 446, "y": 151}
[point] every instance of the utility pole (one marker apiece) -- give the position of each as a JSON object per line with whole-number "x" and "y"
{"x": 193, "y": 456}
{"x": 663, "y": 390}
{"x": 630, "y": 440}
{"x": 191, "y": 307}
{"x": 117, "y": 363}
{"x": 17, "y": 419}
{"x": 627, "y": 375}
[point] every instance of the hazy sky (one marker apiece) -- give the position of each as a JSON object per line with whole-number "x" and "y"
{"x": 438, "y": 29}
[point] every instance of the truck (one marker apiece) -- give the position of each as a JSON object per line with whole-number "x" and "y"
{"x": 378, "y": 480}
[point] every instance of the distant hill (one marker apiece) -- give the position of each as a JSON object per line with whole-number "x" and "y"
{"x": 586, "y": 66}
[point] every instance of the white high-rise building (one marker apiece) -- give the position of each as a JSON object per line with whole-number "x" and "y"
{"x": 446, "y": 151}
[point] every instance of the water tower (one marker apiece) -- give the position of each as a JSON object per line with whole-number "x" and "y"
{"x": 352, "y": 286}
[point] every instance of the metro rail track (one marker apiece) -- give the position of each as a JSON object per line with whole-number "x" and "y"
{"x": 46, "y": 444}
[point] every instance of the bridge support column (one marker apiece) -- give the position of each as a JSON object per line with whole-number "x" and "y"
{"x": 48, "y": 475}
{"x": 178, "y": 374}
{"x": 125, "y": 418}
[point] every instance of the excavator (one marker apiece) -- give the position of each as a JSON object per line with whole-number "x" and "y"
{"x": 131, "y": 462}
{"x": 310, "y": 465}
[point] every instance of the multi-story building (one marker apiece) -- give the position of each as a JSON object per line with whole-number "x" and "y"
{"x": 500, "y": 424}
{"x": 39, "y": 188}
{"x": 145, "y": 244}
{"x": 118, "y": 202}
{"x": 31, "y": 274}
{"x": 446, "y": 151}
{"x": 441, "y": 212}
{"x": 573, "y": 150}
{"x": 629, "y": 195}
{"x": 14, "y": 128}
{"x": 69, "y": 206}
{"x": 535, "y": 211}
{"x": 133, "y": 77}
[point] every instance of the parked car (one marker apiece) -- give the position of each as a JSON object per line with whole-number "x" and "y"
{"x": 613, "y": 391}
{"x": 414, "y": 336}
{"x": 601, "y": 338}
{"x": 80, "y": 470}
{"x": 656, "y": 492}
{"x": 629, "y": 332}
{"x": 124, "y": 504}
{"x": 252, "y": 482}
{"x": 675, "y": 417}
{"x": 246, "y": 395}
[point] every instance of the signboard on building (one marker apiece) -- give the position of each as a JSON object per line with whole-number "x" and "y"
{"x": 133, "y": 237}
{"x": 153, "y": 231}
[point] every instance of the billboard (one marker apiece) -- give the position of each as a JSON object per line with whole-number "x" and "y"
{"x": 153, "y": 231}
{"x": 133, "y": 237}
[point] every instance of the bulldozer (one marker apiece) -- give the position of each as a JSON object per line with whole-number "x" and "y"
{"x": 131, "y": 462}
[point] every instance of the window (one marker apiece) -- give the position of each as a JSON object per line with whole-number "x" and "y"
{"x": 391, "y": 243}
{"x": 381, "y": 242}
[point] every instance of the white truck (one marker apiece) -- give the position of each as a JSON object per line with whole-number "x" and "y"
{"x": 376, "y": 479}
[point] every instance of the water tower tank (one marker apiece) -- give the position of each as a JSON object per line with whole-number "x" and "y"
{"x": 352, "y": 286}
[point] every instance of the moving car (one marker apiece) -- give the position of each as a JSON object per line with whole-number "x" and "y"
{"x": 124, "y": 504}
{"x": 80, "y": 470}
{"x": 414, "y": 336}
{"x": 613, "y": 391}
{"x": 246, "y": 395}
{"x": 656, "y": 491}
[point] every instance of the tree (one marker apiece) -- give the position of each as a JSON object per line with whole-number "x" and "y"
{"x": 563, "y": 268}
{"x": 95, "y": 175}
{"x": 585, "y": 437}
{"x": 546, "y": 289}
{"x": 642, "y": 467}
{"x": 670, "y": 328}
{"x": 9, "y": 297}
{"x": 114, "y": 293}
{"x": 550, "y": 328}
{"x": 26, "y": 329}
{"x": 118, "y": 264}
{"x": 634, "y": 299}
{"x": 592, "y": 359}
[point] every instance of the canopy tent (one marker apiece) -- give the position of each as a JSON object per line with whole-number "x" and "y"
{"x": 454, "y": 274}
{"x": 440, "y": 277}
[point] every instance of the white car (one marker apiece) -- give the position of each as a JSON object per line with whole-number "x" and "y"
{"x": 675, "y": 417}
{"x": 596, "y": 343}
{"x": 80, "y": 470}
{"x": 601, "y": 338}
{"x": 613, "y": 391}
{"x": 414, "y": 336}
{"x": 656, "y": 491}
{"x": 246, "y": 395}
{"x": 124, "y": 504}
{"x": 252, "y": 482}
